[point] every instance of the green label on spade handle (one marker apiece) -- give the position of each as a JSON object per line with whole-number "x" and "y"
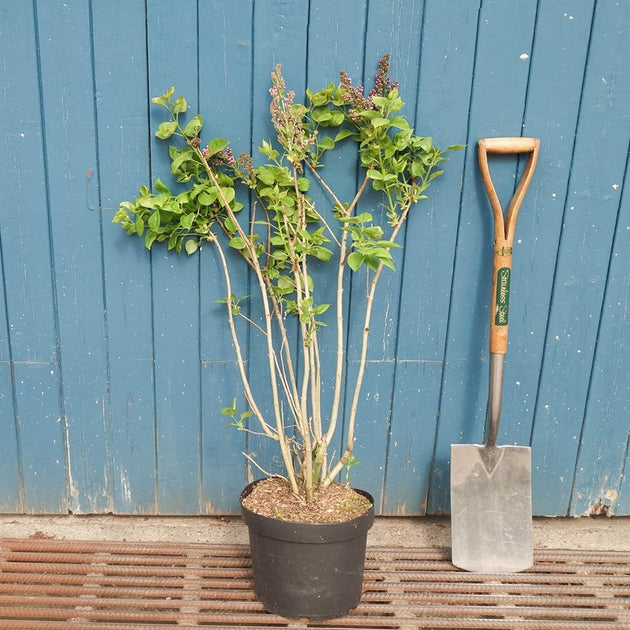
{"x": 502, "y": 297}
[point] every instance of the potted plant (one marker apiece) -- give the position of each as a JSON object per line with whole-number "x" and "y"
{"x": 297, "y": 235}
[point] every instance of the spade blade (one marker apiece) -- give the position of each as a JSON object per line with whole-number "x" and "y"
{"x": 491, "y": 508}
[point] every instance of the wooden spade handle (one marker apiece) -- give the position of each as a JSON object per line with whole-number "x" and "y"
{"x": 504, "y": 227}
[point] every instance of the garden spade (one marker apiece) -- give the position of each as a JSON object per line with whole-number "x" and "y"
{"x": 491, "y": 497}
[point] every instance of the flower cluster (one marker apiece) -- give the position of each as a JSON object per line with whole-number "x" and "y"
{"x": 245, "y": 166}
{"x": 288, "y": 119}
{"x": 353, "y": 97}
{"x": 382, "y": 83}
{"x": 223, "y": 157}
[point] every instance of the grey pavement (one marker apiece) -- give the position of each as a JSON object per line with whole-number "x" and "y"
{"x": 587, "y": 533}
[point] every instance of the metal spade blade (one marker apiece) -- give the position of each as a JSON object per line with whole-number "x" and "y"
{"x": 491, "y": 510}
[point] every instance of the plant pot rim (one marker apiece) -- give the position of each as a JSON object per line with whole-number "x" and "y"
{"x": 307, "y": 532}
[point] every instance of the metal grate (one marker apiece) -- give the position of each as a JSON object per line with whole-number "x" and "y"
{"x": 51, "y": 584}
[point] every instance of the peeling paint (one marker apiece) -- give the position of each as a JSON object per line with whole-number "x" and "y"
{"x": 72, "y": 489}
{"x": 604, "y": 506}
{"x": 124, "y": 483}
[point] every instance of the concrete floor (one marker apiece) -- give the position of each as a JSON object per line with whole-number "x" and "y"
{"x": 600, "y": 533}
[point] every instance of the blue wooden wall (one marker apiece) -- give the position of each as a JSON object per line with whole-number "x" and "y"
{"x": 112, "y": 362}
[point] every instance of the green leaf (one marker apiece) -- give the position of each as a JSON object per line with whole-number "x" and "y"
{"x": 154, "y": 221}
{"x": 388, "y": 244}
{"x": 193, "y": 127}
{"x": 387, "y": 262}
{"x": 228, "y": 194}
{"x": 192, "y": 245}
{"x": 320, "y": 308}
{"x": 164, "y": 99}
{"x": 319, "y": 99}
{"x": 400, "y": 122}
{"x": 426, "y": 144}
{"x": 180, "y": 105}
{"x": 216, "y": 145}
{"x": 380, "y": 122}
{"x": 363, "y": 217}
{"x": 180, "y": 157}
{"x": 121, "y": 215}
{"x": 265, "y": 175}
{"x": 139, "y": 225}
{"x": 166, "y": 129}
{"x": 266, "y": 149}
{"x": 229, "y": 411}
{"x": 279, "y": 255}
{"x": 149, "y": 238}
{"x": 417, "y": 169}
{"x": 322, "y": 253}
{"x": 381, "y": 101}
{"x": 229, "y": 225}
{"x": 344, "y": 133}
{"x": 355, "y": 260}
{"x": 373, "y": 232}
{"x": 161, "y": 187}
{"x": 372, "y": 262}
{"x": 237, "y": 243}
{"x": 321, "y": 115}
{"x": 285, "y": 283}
{"x": 208, "y": 197}
{"x": 327, "y": 143}
{"x": 336, "y": 119}
{"x": 187, "y": 220}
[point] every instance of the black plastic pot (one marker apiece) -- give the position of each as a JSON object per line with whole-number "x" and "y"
{"x": 307, "y": 570}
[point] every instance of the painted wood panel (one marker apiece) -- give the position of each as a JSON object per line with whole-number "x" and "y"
{"x": 113, "y": 360}
{"x": 120, "y": 78}
{"x": 590, "y": 217}
{"x": 173, "y": 54}
{"x": 34, "y": 431}
{"x": 226, "y": 76}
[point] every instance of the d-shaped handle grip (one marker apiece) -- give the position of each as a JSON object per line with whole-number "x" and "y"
{"x": 504, "y": 227}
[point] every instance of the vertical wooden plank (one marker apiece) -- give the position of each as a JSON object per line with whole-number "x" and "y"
{"x": 123, "y": 132}
{"x": 446, "y": 54}
{"x": 25, "y": 235}
{"x": 173, "y": 57}
{"x": 47, "y": 481}
{"x": 10, "y": 472}
{"x": 225, "y": 101}
{"x": 604, "y": 440}
{"x": 27, "y": 260}
{"x": 10, "y": 464}
{"x": 497, "y": 106}
{"x": 68, "y": 105}
{"x": 11, "y": 499}
{"x": 12, "y": 61}
{"x": 623, "y": 500}
{"x": 599, "y": 161}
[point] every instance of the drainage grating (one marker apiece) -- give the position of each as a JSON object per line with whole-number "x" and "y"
{"x": 51, "y": 584}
